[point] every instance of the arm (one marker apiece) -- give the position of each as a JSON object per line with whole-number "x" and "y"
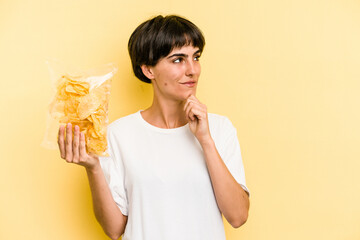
{"x": 231, "y": 199}
{"x": 73, "y": 150}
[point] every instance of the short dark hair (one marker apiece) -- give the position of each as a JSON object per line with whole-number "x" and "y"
{"x": 157, "y": 37}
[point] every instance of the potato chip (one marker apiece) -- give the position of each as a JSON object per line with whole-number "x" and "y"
{"x": 76, "y": 103}
{"x": 88, "y": 104}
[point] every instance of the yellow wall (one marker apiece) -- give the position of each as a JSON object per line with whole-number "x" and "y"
{"x": 285, "y": 72}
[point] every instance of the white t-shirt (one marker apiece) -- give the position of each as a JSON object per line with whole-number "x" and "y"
{"x": 159, "y": 179}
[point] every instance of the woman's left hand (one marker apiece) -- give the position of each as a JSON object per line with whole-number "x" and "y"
{"x": 196, "y": 113}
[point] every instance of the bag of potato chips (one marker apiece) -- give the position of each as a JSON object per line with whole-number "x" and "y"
{"x": 81, "y": 98}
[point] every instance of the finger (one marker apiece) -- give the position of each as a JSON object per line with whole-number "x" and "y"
{"x": 201, "y": 110}
{"x": 76, "y": 141}
{"x": 192, "y": 116}
{"x": 186, "y": 115}
{"x": 196, "y": 102}
{"x": 188, "y": 111}
{"x": 186, "y": 106}
{"x": 193, "y": 98}
{"x": 198, "y": 112}
{"x": 191, "y": 112}
{"x": 68, "y": 147}
{"x": 61, "y": 142}
{"x": 188, "y": 101}
{"x": 83, "y": 153}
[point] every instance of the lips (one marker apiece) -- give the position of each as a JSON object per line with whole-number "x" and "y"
{"x": 189, "y": 83}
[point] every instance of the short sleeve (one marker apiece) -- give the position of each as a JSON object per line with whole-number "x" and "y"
{"x": 230, "y": 152}
{"x": 113, "y": 169}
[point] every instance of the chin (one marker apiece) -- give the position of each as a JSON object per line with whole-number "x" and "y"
{"x": 182, "y": 94}
{"x": 187, "y": 94}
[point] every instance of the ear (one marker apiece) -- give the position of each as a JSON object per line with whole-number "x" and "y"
{"x": 147, "y": 71}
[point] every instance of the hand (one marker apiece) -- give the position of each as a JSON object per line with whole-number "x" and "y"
{"x": 73, "y": 150}
{"x": 196, "y": 114}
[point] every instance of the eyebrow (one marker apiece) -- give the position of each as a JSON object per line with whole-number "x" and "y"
{"x": 183, "y": 55}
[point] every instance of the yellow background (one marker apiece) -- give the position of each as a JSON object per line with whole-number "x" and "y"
{"x": 285, "y": 72}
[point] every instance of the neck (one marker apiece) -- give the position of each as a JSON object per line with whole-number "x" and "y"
{"x": 165, "y": 113}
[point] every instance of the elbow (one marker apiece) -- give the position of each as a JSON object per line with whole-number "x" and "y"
{"x": 113, "y": 236}
{"x": 242, "y": 216}
{"x": 236, "y": 223}
{"x": 114, "y": 230}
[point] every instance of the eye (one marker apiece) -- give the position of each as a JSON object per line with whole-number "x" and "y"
{"x": 178, "y": 60}
{"x": 196, "y": 58}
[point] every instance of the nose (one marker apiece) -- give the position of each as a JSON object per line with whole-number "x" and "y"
{"x": 191, "y": 68}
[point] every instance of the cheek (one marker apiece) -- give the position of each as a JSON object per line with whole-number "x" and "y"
{"x": 171, "y": 79}
{"x": 170, "y": 76}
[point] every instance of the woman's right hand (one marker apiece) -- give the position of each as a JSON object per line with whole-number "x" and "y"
{"x": 73, "y": 149}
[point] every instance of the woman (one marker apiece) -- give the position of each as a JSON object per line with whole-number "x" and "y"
{"x": 173, "y": 168}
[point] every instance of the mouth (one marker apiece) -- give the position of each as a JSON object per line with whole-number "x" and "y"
{"x": 189, "y": 83}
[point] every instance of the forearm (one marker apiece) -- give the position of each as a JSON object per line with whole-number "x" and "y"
{"x": 232, "y": 200}
{"x": 106, "y": 211}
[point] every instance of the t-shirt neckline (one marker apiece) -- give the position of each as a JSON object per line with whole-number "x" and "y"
{"x": 158, "y": 129}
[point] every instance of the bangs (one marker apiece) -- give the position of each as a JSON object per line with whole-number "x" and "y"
{"x": 175, "y": 33}
{"x": 157, "y": 37}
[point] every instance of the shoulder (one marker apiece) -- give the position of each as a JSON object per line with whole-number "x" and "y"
{"x": 123, "y": 123}
{"x": 220, "y": 127}
{"x": 219, "y": 121}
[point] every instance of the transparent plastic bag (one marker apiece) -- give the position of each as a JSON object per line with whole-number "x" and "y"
{"x": 81, "y": 98}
